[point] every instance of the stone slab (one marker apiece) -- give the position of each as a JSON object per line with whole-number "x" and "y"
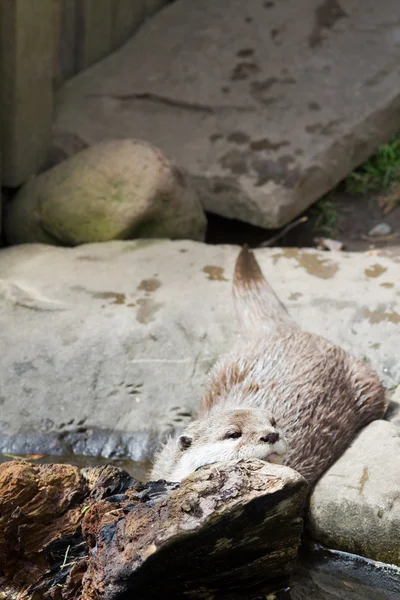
{"x": 106, "y": 347}
{"x": 267, "y": 104}
{"x": 26, "y": 76}
{"x": 356, "y": 506}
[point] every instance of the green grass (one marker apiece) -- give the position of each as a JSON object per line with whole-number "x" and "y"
{"x": 325, "y": 215}
{"x": 379, "y": 173}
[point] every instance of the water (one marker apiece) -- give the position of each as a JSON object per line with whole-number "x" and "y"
{"x": 323, "y": 574}
{"x": 136, "y": 469}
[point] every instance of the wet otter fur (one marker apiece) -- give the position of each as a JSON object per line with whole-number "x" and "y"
{"x": 284, "y": 393}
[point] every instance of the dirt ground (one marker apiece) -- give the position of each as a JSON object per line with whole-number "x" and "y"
{"x": 356, "y": 216}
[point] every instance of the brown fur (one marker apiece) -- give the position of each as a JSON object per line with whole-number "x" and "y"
{"x": 320, "y": 395}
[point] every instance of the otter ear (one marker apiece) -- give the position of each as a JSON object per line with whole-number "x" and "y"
{"x": 185, "y": 441}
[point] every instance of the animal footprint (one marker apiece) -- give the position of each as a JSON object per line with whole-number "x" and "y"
{"x": 178, "y": 416}
{"x": 133, "y": 389}
{"x": 69, "y": 425}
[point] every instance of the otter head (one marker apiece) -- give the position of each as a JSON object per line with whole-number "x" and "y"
{"x": 228, "y": 435}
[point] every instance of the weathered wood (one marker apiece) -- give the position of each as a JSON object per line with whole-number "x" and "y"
{"x": 1, "y": 199}
{"x": 127, "y": 16}
{"x": 229, "y": 531}
{"x": 153, "y": 6}
{"x": 94, "y": 32}
{"x": 26, "y": 75}
{"x": 67, "y": 55}
{"x": 57, "y": 30}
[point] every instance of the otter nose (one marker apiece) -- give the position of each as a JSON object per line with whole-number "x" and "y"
{"x": 270, "y": 438}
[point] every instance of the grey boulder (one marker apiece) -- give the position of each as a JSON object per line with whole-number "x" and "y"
{"x": 355, "y": 507}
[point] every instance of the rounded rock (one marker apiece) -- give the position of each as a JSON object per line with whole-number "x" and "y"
{"x": 379, "y": 230}
{"x": 117, "y": 189}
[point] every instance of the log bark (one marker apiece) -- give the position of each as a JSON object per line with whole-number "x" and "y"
{"x": 229, "y": 530}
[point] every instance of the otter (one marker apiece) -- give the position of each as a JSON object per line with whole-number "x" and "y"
{"x": 283, "y": 395}
{"x": 232, "y": 434}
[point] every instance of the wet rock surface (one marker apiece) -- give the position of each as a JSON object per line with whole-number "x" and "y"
{"x": 324, "y": 574}
{"x": 266, "y": 114}
{"x": 106, "y": 349}
{"x": 118, "y": 189}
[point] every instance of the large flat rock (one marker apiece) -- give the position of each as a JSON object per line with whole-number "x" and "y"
{"x": 267, "y": 104}
{"x": 106, "y": 347}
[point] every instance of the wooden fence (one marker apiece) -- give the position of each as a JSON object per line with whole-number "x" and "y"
{"x": 43, "y": 43}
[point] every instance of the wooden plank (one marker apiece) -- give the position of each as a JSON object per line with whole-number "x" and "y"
{"x": 68, "y": 39}
{"x": 127, "y": 16}
{"x": 26, "y": 95}
{"x": 94, "y": 31}
{"x": 1, "y": 200}
{"x": 153, "y": 6}
{"x": 57, "y": 15}
{"x": 230, "y": 527}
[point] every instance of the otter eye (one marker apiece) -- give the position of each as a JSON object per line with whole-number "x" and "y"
{"x": 273, "y": 422}
{"x": 233, "y": 435}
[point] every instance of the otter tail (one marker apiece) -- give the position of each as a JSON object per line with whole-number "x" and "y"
{"x": 256, "y": 303}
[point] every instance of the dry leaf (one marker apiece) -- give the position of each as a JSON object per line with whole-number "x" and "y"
{"x": 389, "y": 201}
{"x": 25, "y": 457}
{"x": 374, "y": 252}
{"x": 328, "y": 244}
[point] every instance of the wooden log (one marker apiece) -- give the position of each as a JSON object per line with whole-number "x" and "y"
{"x": 229, "y": 530}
